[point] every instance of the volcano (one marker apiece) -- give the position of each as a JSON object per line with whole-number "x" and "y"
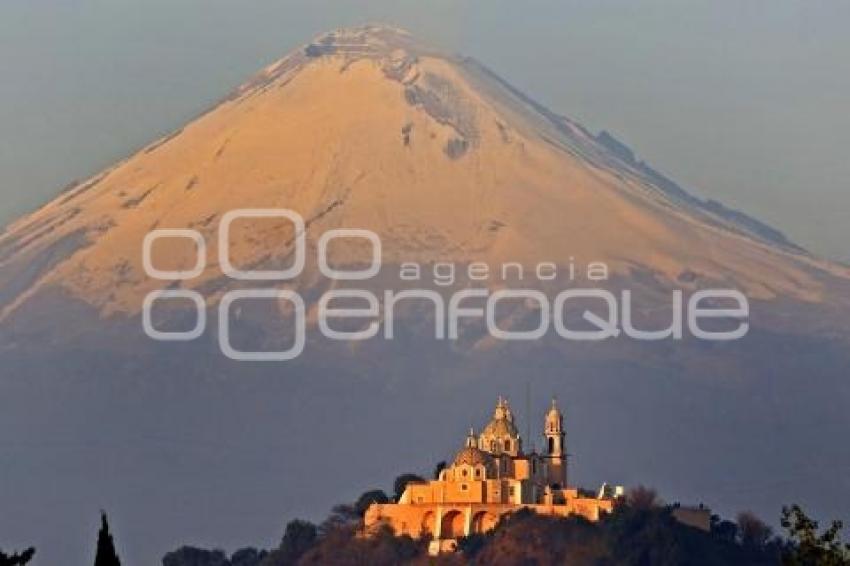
{"x": 436, "y": 154}
{"x": 445, "y": 161}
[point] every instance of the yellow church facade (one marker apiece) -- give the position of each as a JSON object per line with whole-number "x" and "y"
{"x": 489, "y": 477}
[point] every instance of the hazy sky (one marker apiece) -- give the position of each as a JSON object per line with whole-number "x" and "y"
{"x": 744, "y": 102}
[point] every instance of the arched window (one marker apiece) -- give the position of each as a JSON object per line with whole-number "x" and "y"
{"x": 551, "y": 445}
{"x": 507, "y": 445}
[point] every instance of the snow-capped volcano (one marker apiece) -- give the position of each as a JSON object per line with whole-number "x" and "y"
{"x": 445, "y": 161}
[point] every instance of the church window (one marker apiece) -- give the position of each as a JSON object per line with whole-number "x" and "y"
{"x": 464, "y": 472}
{"x": 464, "y": 487}
{"x": 551, "y": 445}
{"x": 507, "y": 445}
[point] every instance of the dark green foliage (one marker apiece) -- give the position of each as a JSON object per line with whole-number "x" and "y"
{"x": 343, "y": 547}
{"x": 191, "y": 556}
{"x": 341, "y": 516}
{"x": 723, "y": 530}
{"x": 106, "y": 555}
{"x": 472, "y": 545}
{"x": 752, "y": 531}
{"x": 369, "y": 497}
{"x": 631, "y": 536}
{"x": 642, "y": 497}
{"x": 441, "y": 465}
{"x": 528, "y": 538}
{"x": 298, "y": 537}
{"x": 248, "y": 557}
{"x": 651, "y": 535}
{"x": 16, "y": 559}
{"x": 401, "y": 482}
{"x": 806, "y": 547}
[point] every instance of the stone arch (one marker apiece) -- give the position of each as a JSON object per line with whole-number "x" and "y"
{"x": 483, "y": 522}
{"x": 452, "y": 525}
{"x": 427, "y": 525}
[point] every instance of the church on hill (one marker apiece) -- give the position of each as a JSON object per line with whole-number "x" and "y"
{"x": 490, "y": 476}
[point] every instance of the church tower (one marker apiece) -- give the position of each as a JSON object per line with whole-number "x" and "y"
{"x": 555, "y": 453}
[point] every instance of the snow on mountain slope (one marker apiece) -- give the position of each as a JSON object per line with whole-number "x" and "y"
{"x": 367, "y": 128}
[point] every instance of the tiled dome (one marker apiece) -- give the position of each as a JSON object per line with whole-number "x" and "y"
{"x": 473, "y": 456}
{"x": 500, "y": 428}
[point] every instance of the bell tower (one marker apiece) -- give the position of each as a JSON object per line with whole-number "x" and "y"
{"x": 555, "y": 454}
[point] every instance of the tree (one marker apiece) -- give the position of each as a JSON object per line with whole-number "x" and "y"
{"x": 724, "y": 530}
{"x": 247, "y": 557}
{"x": 297, "y": 539}
{"x": 401, "y": 482}
{"x": 752, "y": 531}
{"x": 642, "y": 498}
{"x": 441, "y": 465}
{"x": 106, "y": 555}
{"x": 369, "y": 497}
{"x": 343, "y": 516}
{"x": 806, "y": 547}
{"x": 472, "y": 545}
{"x": 191, "y": 556}
{"x": 16, "y": 559}
{"x": 345, "y": 548}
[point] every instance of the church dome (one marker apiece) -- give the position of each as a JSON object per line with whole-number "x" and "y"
{"x": 472, "y": 456}
{"x": 499, "y": 428}
{"x": 501, "y": 436}
{"x": 502, "y": 423}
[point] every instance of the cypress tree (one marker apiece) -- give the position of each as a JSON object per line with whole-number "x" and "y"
{"x": 106, "y": 555}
